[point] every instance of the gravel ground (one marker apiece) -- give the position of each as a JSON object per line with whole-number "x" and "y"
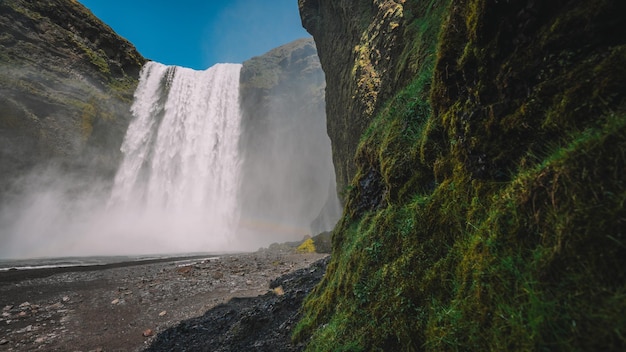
{"x": 124, "y": 307}
{"x": 262, "y": 323}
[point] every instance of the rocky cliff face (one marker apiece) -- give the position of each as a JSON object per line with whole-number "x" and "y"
{"x": 484, "y": 150}
{"x": 288, "y": 177}
{"x": 357, "y": 45}
{"x": 66, "y": 85}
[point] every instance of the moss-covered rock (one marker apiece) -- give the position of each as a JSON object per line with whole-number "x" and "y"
{"x": 487, "y": 204}
{"x": 66, "y": 81}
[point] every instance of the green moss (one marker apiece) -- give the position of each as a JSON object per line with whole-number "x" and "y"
{"x": 123, "y": 88}
{"x": 499, "y": 170}
{"x": 306, "y": 247}
{"x": 97, "y": 58}
{"x": 25, "y": 11}
{"x": 87, "y": 117}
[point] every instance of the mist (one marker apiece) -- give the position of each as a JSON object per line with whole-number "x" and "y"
{"x": 288, "y": 177}
{"x": 56, "y": 214}
{"x": 288, "y": 188}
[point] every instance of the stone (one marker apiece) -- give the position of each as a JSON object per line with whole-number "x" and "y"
{"x": 4, "y": 341}
{"x": 163, "y": 313}
{"x": 278, "y": 291}
{"x": 217, "y": 275}
{"x": 55, "y": 306}
{"x": 184, "y": 270}
{"x": 148, "y": 333}
{"x": 115, "y": 301}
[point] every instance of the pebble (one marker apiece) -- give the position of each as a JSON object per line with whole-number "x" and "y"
{"x": 148, "y": 333}
{"x": 4, "y": 342}
{"x": 7, "y": 308}
{"x": 163, "y": 313}
{"x": 217, "y": 275}
{"x": 55, "y": 306}
{"x": 115, "y": 301}
{"x": 66, "y": 299}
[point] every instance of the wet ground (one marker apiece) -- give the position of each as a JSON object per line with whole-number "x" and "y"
{"x": 131, "y": 306}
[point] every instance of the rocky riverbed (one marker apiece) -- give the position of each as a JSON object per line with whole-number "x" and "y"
{"x": 178, "y": 304}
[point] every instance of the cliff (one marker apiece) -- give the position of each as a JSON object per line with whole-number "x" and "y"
{"x": 66, "y": 85}
{"x": 288, "y": 185}
{"x": 481, "y": 148}
{"x": 357, "y": 46}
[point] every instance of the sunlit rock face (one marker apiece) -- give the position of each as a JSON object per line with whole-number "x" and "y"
{"x": 359, "y": 45}
{"x": 288, "y": 179}
{"x": 66, "y": 85}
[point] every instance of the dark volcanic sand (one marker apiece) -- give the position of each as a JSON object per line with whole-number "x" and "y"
{"x": 110, "y": 308}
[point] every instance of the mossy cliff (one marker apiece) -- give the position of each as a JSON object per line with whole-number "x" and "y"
{"x": 66, "y": 85}
{"x": 485, "y": 206}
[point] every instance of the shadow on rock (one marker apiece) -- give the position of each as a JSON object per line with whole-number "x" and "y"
{"x": 262, "y": 323}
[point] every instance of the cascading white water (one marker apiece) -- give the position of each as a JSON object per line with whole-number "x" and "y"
{"x": 181, "y": 165}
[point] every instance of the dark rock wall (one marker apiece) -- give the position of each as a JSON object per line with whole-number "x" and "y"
{"x": 66, "y": 85}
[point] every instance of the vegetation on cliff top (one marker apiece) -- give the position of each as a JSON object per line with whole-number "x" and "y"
{"x": 487, "y": 212}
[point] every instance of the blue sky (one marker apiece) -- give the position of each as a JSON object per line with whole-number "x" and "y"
{"x": 200, "y": 33}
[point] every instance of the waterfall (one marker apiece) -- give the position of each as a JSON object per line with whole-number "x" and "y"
{"x": 191, "y": 178}
{"x": 181, "y": 165}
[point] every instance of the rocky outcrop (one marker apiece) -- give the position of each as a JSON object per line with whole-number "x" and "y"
{"x": 485, "y": 145}
{"x": 66, "y": 85}
{"x": 288, "y": 184}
